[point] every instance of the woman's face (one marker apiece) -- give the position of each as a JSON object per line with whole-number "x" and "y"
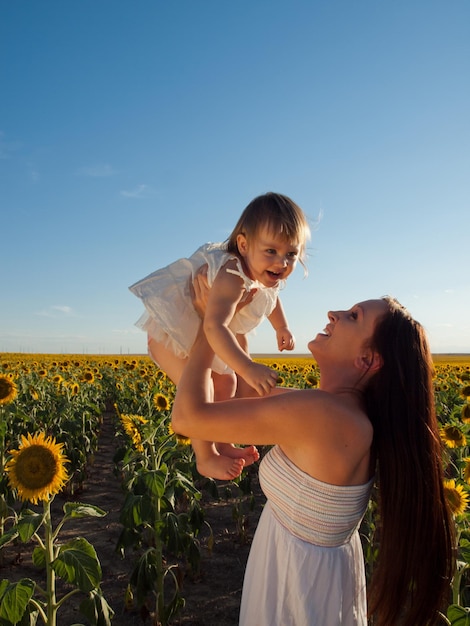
{"x": 347, "y": 332}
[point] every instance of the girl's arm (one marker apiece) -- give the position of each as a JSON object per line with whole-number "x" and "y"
{"x": 224, "y": 296}
{"x": 278, "y": 320}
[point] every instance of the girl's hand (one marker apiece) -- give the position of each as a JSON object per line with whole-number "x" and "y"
{"x": 285, "y": 339}
{"x": 260, "y": 377}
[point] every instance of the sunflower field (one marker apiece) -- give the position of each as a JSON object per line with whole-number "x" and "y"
{"x": 51, "y": 413}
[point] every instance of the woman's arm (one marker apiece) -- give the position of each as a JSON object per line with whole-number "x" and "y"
{"x": 320, "y": 432}
{"x": 286, "y": 419}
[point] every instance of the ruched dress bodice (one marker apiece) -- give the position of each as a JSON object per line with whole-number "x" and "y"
{"x": 317, "y": 512}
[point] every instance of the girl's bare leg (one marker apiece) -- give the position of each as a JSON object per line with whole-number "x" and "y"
{"x": 209, "y": 460}
{"x": 240, "y": 389}
{"x": 225, "y": 386}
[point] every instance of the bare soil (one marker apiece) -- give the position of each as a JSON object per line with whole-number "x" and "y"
{"x": 211, "y": 599}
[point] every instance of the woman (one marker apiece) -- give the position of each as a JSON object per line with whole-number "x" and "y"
{"x": 372, "y": 418}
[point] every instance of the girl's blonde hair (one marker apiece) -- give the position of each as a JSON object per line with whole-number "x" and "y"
{"x": 280, "y": 215}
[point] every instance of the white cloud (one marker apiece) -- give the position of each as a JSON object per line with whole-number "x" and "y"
{"x": 64, "y": 309}
{"x": 100, "y": 170}
{"x": 35, "y": 176}
{"x": 141, "y": 191}
{"x": 55, "y": 311}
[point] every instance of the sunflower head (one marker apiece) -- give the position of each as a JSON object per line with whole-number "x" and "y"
{"x": 37, "y": 469}
{"x": 466, "y": 469}
{"x": 465, "y": 391}
{"x": 456, "y": 496}
{"x": 452, "y": 436}
{"x": 312, "y": 380}
{"x": 8, "y": 390}
{"x": 88, "y": 377}
{"x": 181, "y": 439}
{"x": 161, "y": 402}
{"x": 466, "y": 413}
{"x": 132, "y": 424}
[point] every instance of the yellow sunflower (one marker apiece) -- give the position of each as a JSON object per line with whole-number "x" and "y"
{"x": 181, "y": 439}
{"x": 88, "y": 377}
{"x": 161, "y": 402}
{"x": 34, "y": 393}
{"x": 312, "y": 380}
{"x": 452, "y": 436}
{"x": 37, "y": 469}
{"x": 456, "y": 496}
{"x": 466, "y": 469}
{"x": 466, "y": 413}
{"x": 465, "y": 391}
{"x": 8, "y": 390}
{"x": 131, "y": 424}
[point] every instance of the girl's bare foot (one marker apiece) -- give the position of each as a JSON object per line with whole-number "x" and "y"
{"x": 220, "y": 467}
{"x": 250, "y": 454}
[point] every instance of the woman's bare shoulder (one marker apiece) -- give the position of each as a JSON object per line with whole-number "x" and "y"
{"x": 330, "y": 415}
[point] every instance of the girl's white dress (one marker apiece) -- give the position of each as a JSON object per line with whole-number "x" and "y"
{"x": 306, "y": 565}
{"x": 170, "y": 316}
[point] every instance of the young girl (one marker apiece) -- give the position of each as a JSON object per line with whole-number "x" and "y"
{"x": 246, "y": 273}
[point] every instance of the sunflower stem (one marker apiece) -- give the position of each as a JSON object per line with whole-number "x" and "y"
{"x": 40, "y": 609}
{"x": 66, "y": 597}
{"x": 159, "y": 565}
{"x": 39, "y": 540}
{"x": 50, "y": 573}
{"x": 40, "y": 590}
{"x": 58, "y": 529}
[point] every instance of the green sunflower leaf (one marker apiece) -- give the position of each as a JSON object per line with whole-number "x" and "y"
{"x": 39, "y": 557}
{"x": 28, "y": 525}
{"x": 9, "y": 536}
{"x": 14, "y": 598}
{"x": 78, "y": 509}
{"x": 97, "y": 610}
{"x": 78, "y": 564}
{"x": 155, "y": 481}
{"x": 464, "y": 548}
{"x": 458, "y": 615}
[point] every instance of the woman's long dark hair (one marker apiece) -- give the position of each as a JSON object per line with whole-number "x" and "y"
{"x": 411, "y": 582}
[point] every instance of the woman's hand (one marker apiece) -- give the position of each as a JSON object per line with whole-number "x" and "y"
{"x": 199, "y": 288}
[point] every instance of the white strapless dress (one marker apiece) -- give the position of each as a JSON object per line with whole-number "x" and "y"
{"x": 306, "y": 565}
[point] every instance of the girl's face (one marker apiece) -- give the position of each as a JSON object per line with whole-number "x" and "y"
{"x": 348, "y": 332}
{"x": 268, "y": 257}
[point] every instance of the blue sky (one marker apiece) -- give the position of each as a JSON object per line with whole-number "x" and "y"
{"x": 133, "y": 132}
